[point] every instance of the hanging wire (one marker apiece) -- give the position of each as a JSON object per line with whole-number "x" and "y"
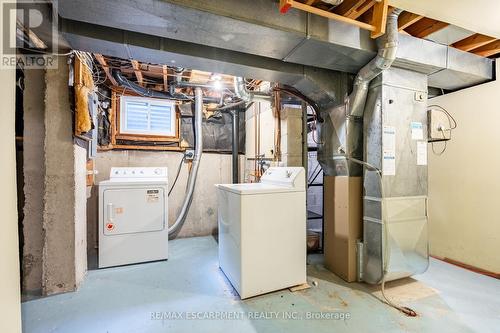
{"x": 452, "y": 125}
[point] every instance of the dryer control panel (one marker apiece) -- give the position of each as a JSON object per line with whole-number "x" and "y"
{"x": 137, "y": 172}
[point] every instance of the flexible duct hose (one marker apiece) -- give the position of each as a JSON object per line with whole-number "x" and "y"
{"x": 388, "y": 46}
{"x": 242, "y": 92}
{"x": 174, "y": 229}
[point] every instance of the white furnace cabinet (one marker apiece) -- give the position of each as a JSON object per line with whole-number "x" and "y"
{"x": 262, "y": 232}
{"x": 133, "y": 220}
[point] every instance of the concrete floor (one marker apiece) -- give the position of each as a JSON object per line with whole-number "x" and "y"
{"x": 124, "y": 299}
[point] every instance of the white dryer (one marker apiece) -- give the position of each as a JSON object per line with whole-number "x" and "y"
{"x": 133, "y": 218}
{"x": 262, "y": 232}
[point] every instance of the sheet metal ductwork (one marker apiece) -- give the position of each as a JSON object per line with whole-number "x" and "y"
{"x": 395, "y": 241}
{"x": 341, "y": 132}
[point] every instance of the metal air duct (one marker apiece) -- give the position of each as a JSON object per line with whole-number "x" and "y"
{"x": 395, "y": 241}
{"x": 341, "y": 132}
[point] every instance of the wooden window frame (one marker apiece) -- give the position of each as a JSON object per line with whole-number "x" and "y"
{"x": 116, "y": 114}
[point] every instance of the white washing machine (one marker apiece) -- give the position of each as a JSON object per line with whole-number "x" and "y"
{"x": 262, "y": 232}
{"x": 133, "y": 218}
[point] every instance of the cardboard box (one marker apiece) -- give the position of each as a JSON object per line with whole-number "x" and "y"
{"x": 343, "y": 209}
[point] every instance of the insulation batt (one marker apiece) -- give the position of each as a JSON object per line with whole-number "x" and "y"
{"x": 82, "y": 89}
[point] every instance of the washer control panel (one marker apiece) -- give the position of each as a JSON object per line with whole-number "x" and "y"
{"x": 285, "y": 176}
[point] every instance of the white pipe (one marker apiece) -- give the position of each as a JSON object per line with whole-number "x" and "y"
{"x": 174, "y": 229}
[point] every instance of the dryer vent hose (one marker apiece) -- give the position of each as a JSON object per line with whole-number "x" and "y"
{"x": 174, "y": 229}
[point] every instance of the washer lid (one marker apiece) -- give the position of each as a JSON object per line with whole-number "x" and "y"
{"x": 256, "y": 188}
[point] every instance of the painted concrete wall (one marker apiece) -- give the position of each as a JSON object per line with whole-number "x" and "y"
{"x": 291, "y": 136}
{"x": 80, "y": 211}
{"x": 64, "y": 262}
{"x": 34, "y": 176}
{"x": 202, "y": 217}
{"x": 464, "y": 183}
{"x": 10, "y": 295}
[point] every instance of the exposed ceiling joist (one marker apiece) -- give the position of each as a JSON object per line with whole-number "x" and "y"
{"x": 165, "y": 77}
{"x": 425, "y": 26}
{"x": 488, "y": 50}
{"x": 406, "y": 19}
{"x": 365, "y": 6}
{"x": 137, "y": 71}
{"x": 473, "y": 42}
{"x": 285, "y": 5}
{"x": 354, "y": 8}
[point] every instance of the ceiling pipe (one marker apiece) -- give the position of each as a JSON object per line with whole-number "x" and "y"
{"x": 174, "y": 229}
{"x": 240, "y": 89}
{"x": 388, "y": 46}
{"x": 146, "y": 92}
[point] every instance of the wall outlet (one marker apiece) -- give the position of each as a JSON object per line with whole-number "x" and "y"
{"x": 189, "y": 154}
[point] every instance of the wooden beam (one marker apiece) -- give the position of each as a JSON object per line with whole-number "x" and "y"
{"x": 285, "y": 5}
{"x": 425, "y": 26}
{"x": 488, "y": 50}
{"x": 379, "y": 18}
{"x": 141, "y": 147}
{"x": 406, "y": 19}
{"x": 165, "y": 77}
{"x": 137, "y": 71}
{"x": 473, "y": 42}
{"x": 105, "y": 67}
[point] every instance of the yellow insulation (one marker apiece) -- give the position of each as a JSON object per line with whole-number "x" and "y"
{"x": 83, "y": 86}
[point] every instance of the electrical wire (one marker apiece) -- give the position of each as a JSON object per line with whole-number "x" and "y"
{"x": 450, "y": 117}
{"x": 406, "y": 310}
{"x": 177, "y": 175}
{"x": 294, "y": 92}
{"x": 47, "y": 53}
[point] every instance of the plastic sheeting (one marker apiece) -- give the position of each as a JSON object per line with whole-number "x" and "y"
{"x": 217, "y": 131}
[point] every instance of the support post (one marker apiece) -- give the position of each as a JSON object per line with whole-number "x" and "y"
{"x": 235, "y": 144}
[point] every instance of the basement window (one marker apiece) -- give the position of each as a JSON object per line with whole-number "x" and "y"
{"x": 147, "y": 116}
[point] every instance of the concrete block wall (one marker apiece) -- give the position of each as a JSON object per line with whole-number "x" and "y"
{"x": 34, "y": 180}
{"x": 54, "y": 251}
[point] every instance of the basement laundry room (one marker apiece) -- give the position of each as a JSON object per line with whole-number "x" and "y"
{"x": 250, "y": 166}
